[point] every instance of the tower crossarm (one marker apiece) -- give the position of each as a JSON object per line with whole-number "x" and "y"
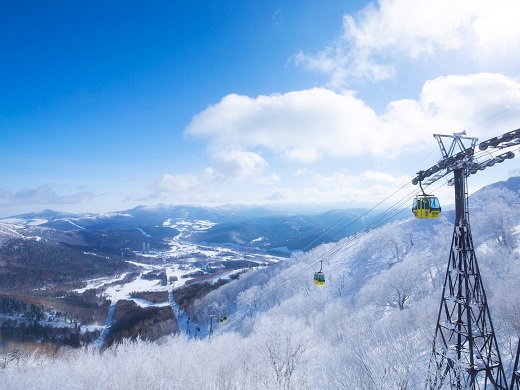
{"x": 463, "y": 153}
{"x": 506, "y": 140}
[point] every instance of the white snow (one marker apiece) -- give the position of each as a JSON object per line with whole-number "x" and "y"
{"x": 73, "y": 224}
{"x": 116, "y": 292}
{"x": 144, "y": 265}
{"x": 144, "y": 233}
{"x": 36, "y": 222}
{"x": 100, "y": 282}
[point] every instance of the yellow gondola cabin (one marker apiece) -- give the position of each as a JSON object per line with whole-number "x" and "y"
{"x": 426, "y": 206}
{"x": 319, "y": 277}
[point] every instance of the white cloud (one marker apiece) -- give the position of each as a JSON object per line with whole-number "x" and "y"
{"x": 232, "y": 167}
{"x": 364, "y": 189}
{"x": 477, "y": 40}
{"x": 300, "y": 126}
{"x": 354, "y": 186}
{"x": 464, "y": 95}
{"x": 478, "y": 32}
{"x": 169, "y": 184}
{"x": 45, "y": 194}
{"x": 302, "y": 172}
{"x": 240, "y": 164}
{"x": 280, "y": 194}
{"x": 309, "y": 125}
{"x": 344, "y": 186}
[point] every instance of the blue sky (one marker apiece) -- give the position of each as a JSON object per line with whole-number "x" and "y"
{"x": 108, "y": 105}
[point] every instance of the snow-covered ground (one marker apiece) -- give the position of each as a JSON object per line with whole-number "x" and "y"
{"x": 181, "y": 263}
{"x": 99, "y": 283}
{"x": 14, "y": 227}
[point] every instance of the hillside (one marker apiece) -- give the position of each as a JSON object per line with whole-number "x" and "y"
{"x": 253, "y": 227}
{"x": 290, "y": 233}
{"x": 369, "y": 327}
{"x": 35, "y": 264}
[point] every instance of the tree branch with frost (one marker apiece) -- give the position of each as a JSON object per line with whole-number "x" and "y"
{"x": 399, "y": 298}
{"x": 284, "y": 344}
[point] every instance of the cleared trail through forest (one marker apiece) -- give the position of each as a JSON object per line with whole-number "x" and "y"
{"x": 192, "y": 330}
{"x": 108, "y": 323}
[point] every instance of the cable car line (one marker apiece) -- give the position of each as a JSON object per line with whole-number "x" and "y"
{"x": 384, "y": 217}
{"x": 368, "y": 211}
{"x": 373, "y": 224}
{"x": 390, "y": 212}
{"x": 494, "y": 116}
{"x": 371, "y": 209}
{"x": 433, "y": 205}
{"x": 387, "y": 215}
{"x": 381, "y": 218}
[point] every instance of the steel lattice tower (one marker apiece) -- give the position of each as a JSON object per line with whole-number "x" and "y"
{"x": 465, "y": 352}
{"x": 515, "y": 378}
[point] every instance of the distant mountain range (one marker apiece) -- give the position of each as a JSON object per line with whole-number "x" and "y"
{"x": 234, "y": 225}
{"x": 291, "y": 233}
{"x": 264, "y": 227}
{"x": 54, "y": 246}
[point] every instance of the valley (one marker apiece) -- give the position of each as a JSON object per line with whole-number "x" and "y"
{"x": 136, "y": 294}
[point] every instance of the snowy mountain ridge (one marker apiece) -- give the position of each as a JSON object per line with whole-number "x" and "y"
{"x": 251, "y": 227}
{"x": 369, "y": 327}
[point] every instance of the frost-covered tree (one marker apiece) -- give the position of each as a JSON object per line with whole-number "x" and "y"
{"x": 285, "y": 344}
{"x": 250, "y": 299}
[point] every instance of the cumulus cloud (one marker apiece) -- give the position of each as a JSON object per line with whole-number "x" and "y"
{"x": 459, "y": 56}
{"x": 469, "y": 98}
{"x": 344, "y": 180}
{"x": 231, "y": 166}
{"x": 169, "y": 185}
{"x": 302, "y": 172}
{"x": 359, "y": 189}
{"x": 280, "y": 194}
{"x": 305, "y": 126}
{"x": 299, "y": 125}
{"x": 240, "y": 164}
{"x": 45, "y": 194}
{"x": 373, "y": 40}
